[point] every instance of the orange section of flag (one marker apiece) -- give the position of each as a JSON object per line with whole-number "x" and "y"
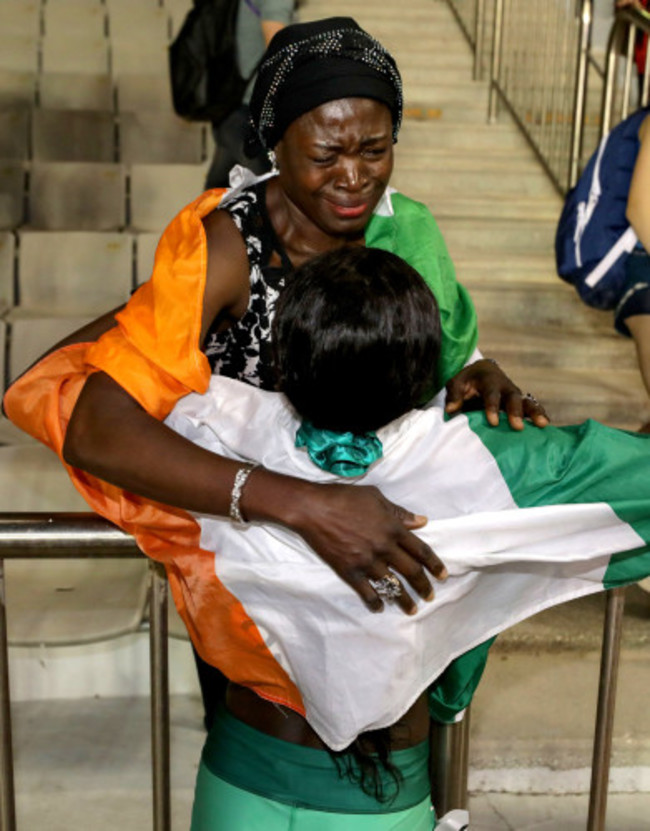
{"x": 42, "y": 400}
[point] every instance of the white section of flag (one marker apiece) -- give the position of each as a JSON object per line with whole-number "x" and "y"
{"x": 356, "y": 670}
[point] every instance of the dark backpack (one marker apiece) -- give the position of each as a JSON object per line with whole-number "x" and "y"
{"x": 593, "y": 237}
{"x": 205, "y": 79}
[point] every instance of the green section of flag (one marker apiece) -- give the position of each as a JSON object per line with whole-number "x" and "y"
{"x": 453, "y": 691}
{"x": 584, "y": 463}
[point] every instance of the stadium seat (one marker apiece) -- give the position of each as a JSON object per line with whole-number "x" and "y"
{"x": 146, "y": 53}
{"x": 75, "y": 91}
{"x": 178, "y": 10}
{"x": 32, "y": 335}
{"x": 78, "y": 4}
{"x": 63, "y": 601}
{"x": 69, "y": 601}
{"x": 143, "y": 91}
{"x": 145, "y": 247}
{"x": 75, "y": 53}
{"x": 18, "y": 53}
{"x": 17, "y": 88}
{"x": 158, "y": 192}
{"x": 12, "y": 194}
{"x": 81, "y": 196}
{"x": 148, "y": 16}
{"x": 3, "y": 364}
{"x": 20, "y": 17}
{"x": 7, "y": 259}
{"x": 133, "y": 58}
{"x": 72, "y": 18}
{"x": 158, "y": 138}
{"x": 73, "y": 135}
{"x": 14, "y": 133}
{"x": 74, "y": 272}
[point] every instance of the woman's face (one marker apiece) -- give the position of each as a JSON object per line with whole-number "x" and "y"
{"x": 335, "y": 162}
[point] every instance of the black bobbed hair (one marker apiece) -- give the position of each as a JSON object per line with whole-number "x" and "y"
{"x": 356, "y": 339}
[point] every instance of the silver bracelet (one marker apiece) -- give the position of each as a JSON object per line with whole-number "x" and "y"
{"x": 235, "y": 495}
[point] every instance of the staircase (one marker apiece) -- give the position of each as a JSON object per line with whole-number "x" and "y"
{"x": 534, "y": 713}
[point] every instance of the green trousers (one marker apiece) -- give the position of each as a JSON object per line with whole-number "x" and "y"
{"x": 249, "y": 781}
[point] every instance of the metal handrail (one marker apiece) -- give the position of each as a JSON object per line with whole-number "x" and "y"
{"x": 449, "y": 764}
{"x": 57, "y": 536}
{"x": 580, "y": 91}
{"x": 560, "y": 155}
{"x": 472, "y": 16}
{"x": 84, "y": 535}
{"x": 565, "y": 169}
{"x": 626, "y": 24}
{"x": 604, "y": 730}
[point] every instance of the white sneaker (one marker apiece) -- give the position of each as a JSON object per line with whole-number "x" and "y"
{"x": 454, "y": 821}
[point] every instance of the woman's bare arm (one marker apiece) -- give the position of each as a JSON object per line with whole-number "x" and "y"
{"x": 638, "y": 201}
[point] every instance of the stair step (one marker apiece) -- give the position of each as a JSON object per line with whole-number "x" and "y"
{"x": 517, "y": 160}
{"x": 438, "y": 134}
{"x": 458, "y": 60}
{"x": 537, "y": 304}
{"x": 497, "y": 237}
{"x": 529, "y": 347}
{"x": 577, "y": 626}
{"x": 446, "y": 85}
{"x": 502, "y": 184}
{"x": 616, "y": 398}
{"x": 427, "y": 85}
{"x": 534, "y": 710}
{"x": 444, "y": 206}
{"x": 415, "y": 8}
{"x": 475, "y": 271}
{"x": 421, "y": 102}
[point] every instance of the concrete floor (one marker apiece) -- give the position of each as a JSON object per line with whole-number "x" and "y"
{"x": 83, "y": 764}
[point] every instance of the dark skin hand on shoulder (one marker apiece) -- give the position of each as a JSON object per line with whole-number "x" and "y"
{"x": 332, "y": 173}
{"x": 485, "y": 383}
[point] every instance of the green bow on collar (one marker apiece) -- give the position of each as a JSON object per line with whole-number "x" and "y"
{"x": 345, "y": 454}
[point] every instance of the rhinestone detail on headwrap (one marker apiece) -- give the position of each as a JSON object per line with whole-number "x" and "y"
{"x": 349, "y": 43}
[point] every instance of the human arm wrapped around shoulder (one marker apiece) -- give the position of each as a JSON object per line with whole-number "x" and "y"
{"x": 354, "y": 529}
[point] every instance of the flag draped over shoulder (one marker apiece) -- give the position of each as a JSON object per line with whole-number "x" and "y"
{"x": 154, "y": 354}
{"x": 522, "y": 522}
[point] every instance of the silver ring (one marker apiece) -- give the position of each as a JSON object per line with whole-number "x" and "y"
{"x": 530, "y": 397}
{"x": 388, "y": 587}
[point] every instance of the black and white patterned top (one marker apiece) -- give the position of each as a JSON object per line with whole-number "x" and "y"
{"x": 243, "y": 352}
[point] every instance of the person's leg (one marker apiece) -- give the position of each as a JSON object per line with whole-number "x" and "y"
{"x": 220, "y": 806}
{"x": 632, "y": 316}
{"x": 418, "y": 818}
{"x": 639, "y": 326}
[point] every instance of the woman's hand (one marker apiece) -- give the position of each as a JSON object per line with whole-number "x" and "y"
{"x": 486, "y": 380}
{"x": 364, "y": 537}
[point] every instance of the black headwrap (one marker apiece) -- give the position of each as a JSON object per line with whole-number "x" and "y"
{"x": 308, "y": 64}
